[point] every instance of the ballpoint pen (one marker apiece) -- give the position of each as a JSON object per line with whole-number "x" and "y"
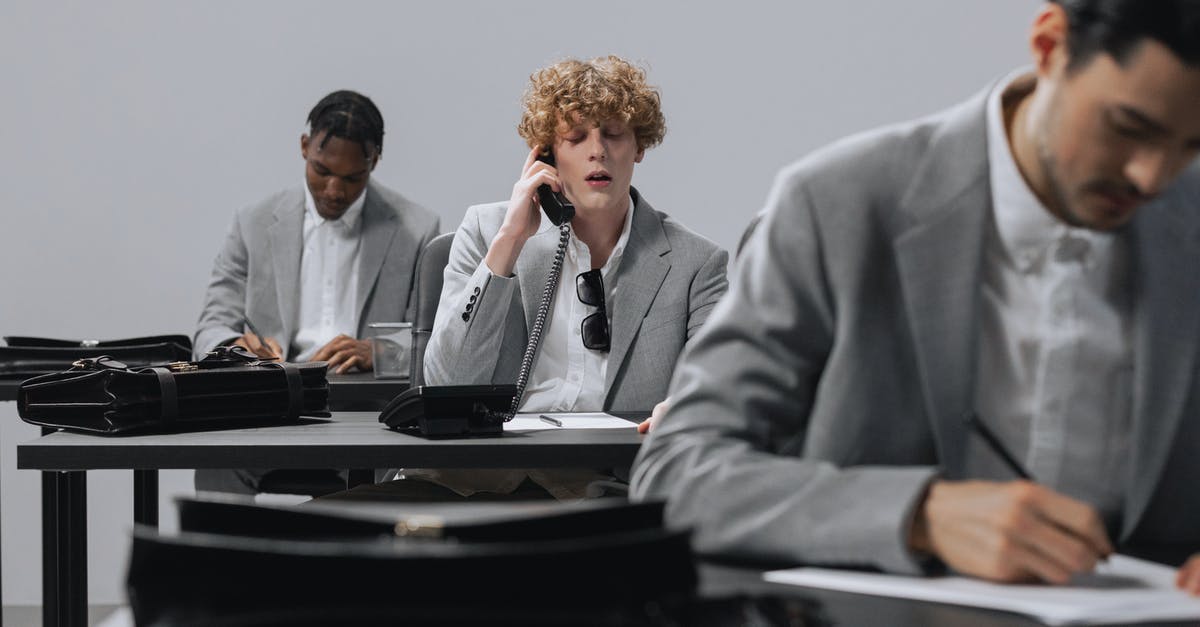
{"x": 250, "y": 328}
{"x": 554, "y": 421}
{"x": 982, "y": 429}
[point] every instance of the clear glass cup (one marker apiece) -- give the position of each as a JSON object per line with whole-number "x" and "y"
{"x": 391, "y": 348}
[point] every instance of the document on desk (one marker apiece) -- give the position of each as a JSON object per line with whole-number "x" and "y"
{"x": 589, "y": 420}
{"x": 1123, "y": 590}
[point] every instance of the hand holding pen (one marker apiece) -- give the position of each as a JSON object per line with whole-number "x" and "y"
{"x": 264, "y": 347}
{"x": 1011, "y": 531}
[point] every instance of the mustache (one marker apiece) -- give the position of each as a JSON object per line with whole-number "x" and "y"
{"x": 1120, "y": 189}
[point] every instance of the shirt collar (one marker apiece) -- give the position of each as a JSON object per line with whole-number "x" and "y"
{"x": 1026, "y": 228}
{"x": 349, "y": 220}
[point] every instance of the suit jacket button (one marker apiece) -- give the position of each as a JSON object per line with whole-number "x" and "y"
{"x": 472, "y": 298}
{"x": 469, "y": 307}
{"x": 466, "y": 317}
{"x": 476, "y": 289}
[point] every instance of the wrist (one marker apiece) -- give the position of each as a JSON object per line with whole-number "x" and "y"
{"x": 503, "y": 252}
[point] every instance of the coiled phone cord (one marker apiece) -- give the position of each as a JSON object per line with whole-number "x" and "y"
{"x": 539, "y": 321}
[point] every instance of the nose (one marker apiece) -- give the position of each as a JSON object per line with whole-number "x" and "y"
{"x": 335, "y": 188}
{"x": 1150, "y": 169}
{"x": 597, "y": 150}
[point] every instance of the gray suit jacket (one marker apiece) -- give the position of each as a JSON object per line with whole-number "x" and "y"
{"x": 257, "y": 271}
{"x": 670, "y": 279}
{"x": 830, "y": 384}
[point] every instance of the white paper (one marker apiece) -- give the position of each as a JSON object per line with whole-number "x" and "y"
{"x": 1124, "y": 589}
{"x": 593, "y": 420}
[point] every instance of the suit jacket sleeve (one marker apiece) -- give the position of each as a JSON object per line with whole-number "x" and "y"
{"x": 708, "y": 287}
{"x": 475, "y": 312}
{"x": 224, "y": 310}
{"x": 729, "y": 457}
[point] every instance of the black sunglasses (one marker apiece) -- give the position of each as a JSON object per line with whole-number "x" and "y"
{"x": 589, "y": 286}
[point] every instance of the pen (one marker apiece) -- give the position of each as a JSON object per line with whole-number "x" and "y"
{"x": 250, "y": 328}
{"x": 982, "y": 429}
{"x": 554, "y": 421}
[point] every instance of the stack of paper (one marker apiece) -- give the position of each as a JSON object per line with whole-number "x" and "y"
{"x": 1122, "y": 590}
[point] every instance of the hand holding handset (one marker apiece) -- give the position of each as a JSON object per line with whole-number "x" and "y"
{"x": 555, "y": 204}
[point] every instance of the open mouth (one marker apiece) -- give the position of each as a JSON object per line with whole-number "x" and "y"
{"x": 598, "y": 178}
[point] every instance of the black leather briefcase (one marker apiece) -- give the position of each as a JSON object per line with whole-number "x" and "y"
{"x": 25, "y": 357}
{"x": 228, "y": 388}
{"x": 540, "y": 568}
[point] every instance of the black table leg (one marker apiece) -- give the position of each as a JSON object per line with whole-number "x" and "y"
{"x": 145, "y": 497}
{"x": 359, "y": 476}
{"x": 64, "y": 549}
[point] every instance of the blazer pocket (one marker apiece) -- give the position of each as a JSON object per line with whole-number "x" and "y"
{"x": 654, "y": 323}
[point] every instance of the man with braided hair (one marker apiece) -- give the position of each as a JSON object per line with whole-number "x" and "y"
{"x": 309, "y": 267}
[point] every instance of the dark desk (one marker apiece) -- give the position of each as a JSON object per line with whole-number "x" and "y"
{"x": 349, "y": 440}
{"x": 361, "y": 391}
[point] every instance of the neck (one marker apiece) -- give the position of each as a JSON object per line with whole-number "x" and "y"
{"x": 1024, "y": 113}
{"x": 600, "y": 230}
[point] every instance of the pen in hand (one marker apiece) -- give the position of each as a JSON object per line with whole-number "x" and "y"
{"x": 982, "y": 429}
{"x": 554, "y": 421}
{"x": 250, "y": 327}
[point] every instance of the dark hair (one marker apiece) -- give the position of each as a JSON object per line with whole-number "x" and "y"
{"x": 1117, "y": 27}
{"x": 350, "y": 116}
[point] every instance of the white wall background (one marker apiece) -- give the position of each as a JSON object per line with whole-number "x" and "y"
{"x": 130, "y": 131}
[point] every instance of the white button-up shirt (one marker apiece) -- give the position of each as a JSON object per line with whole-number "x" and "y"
{"x": 567, "y": 376}
{"x": 328, "y": 277}
{"x": 1056, "y": 358}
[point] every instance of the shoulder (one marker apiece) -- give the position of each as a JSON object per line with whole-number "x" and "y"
{"x": 415, "y": 216}
{"x": 485, "y": 219}
{"x": 263, "y": 211}
{"x": 683, "y": 242}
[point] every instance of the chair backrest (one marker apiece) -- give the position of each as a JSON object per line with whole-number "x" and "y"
{"x": 429, "y": 290}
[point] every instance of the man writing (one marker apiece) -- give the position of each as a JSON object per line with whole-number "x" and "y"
{"x": 311, "y": 266}
{"x": 1027, "y": 257}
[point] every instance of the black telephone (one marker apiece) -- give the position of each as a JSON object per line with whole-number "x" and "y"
{"x": 555, "y": 204}
{"x": 450, "y": 410}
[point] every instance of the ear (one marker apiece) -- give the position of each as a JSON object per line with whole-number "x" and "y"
{"x": 638, "y": 157}
{"x": 304, "y": 146}
{"x": 1048, "y": 40}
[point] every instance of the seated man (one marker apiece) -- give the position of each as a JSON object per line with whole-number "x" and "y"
{"x": 635, "y": 283}
{"x": 309, "y": 267}
{"x": 1027, "y": 257}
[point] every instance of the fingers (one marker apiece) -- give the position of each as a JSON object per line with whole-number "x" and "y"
{"x": 1188, "y": 578}
{"x": 1074, "y": 517}
{"x": 275, "y": 348}
{"x": 530, "y": 159}
{"x": 655, "y": 415}
{"x": 332, "y": 347}
{"x": 1012, "y": 531}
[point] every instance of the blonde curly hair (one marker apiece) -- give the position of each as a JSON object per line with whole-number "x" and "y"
{"x": 601, "y": 89}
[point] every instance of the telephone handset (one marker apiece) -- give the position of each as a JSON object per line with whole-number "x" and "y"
{"x": 555, "y": 204}
{"x": 560, "y": 211}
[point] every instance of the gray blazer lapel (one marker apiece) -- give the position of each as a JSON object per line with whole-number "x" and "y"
{"x": 938, "y": 257}
{"x": 286, "y": 236}
{"x": 1165, "y": 256}
{"x": 378, "y": 228}
{"x": 533, "y": 266}
{"x": 643, "y": 268}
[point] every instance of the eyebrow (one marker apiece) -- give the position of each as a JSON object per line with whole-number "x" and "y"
{"x": 1143, "y": 120}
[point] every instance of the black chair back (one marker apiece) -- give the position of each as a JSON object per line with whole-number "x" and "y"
{"x": 429, "y": 290}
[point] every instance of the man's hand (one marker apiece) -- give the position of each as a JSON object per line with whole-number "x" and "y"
{"x": 1016, "y": 531}
{"x": 1188, "y": 578}
{"x": 344, "y": 352}
{"x": 266, "y": 348}
{"x": 655, "y": 415}
{"x": 522, "y": 219}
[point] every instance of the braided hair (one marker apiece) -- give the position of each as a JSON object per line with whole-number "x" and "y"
{"x": 350, "y": 116}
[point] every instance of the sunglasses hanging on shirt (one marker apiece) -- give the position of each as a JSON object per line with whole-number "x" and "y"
{"x": 589, "y": 286}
